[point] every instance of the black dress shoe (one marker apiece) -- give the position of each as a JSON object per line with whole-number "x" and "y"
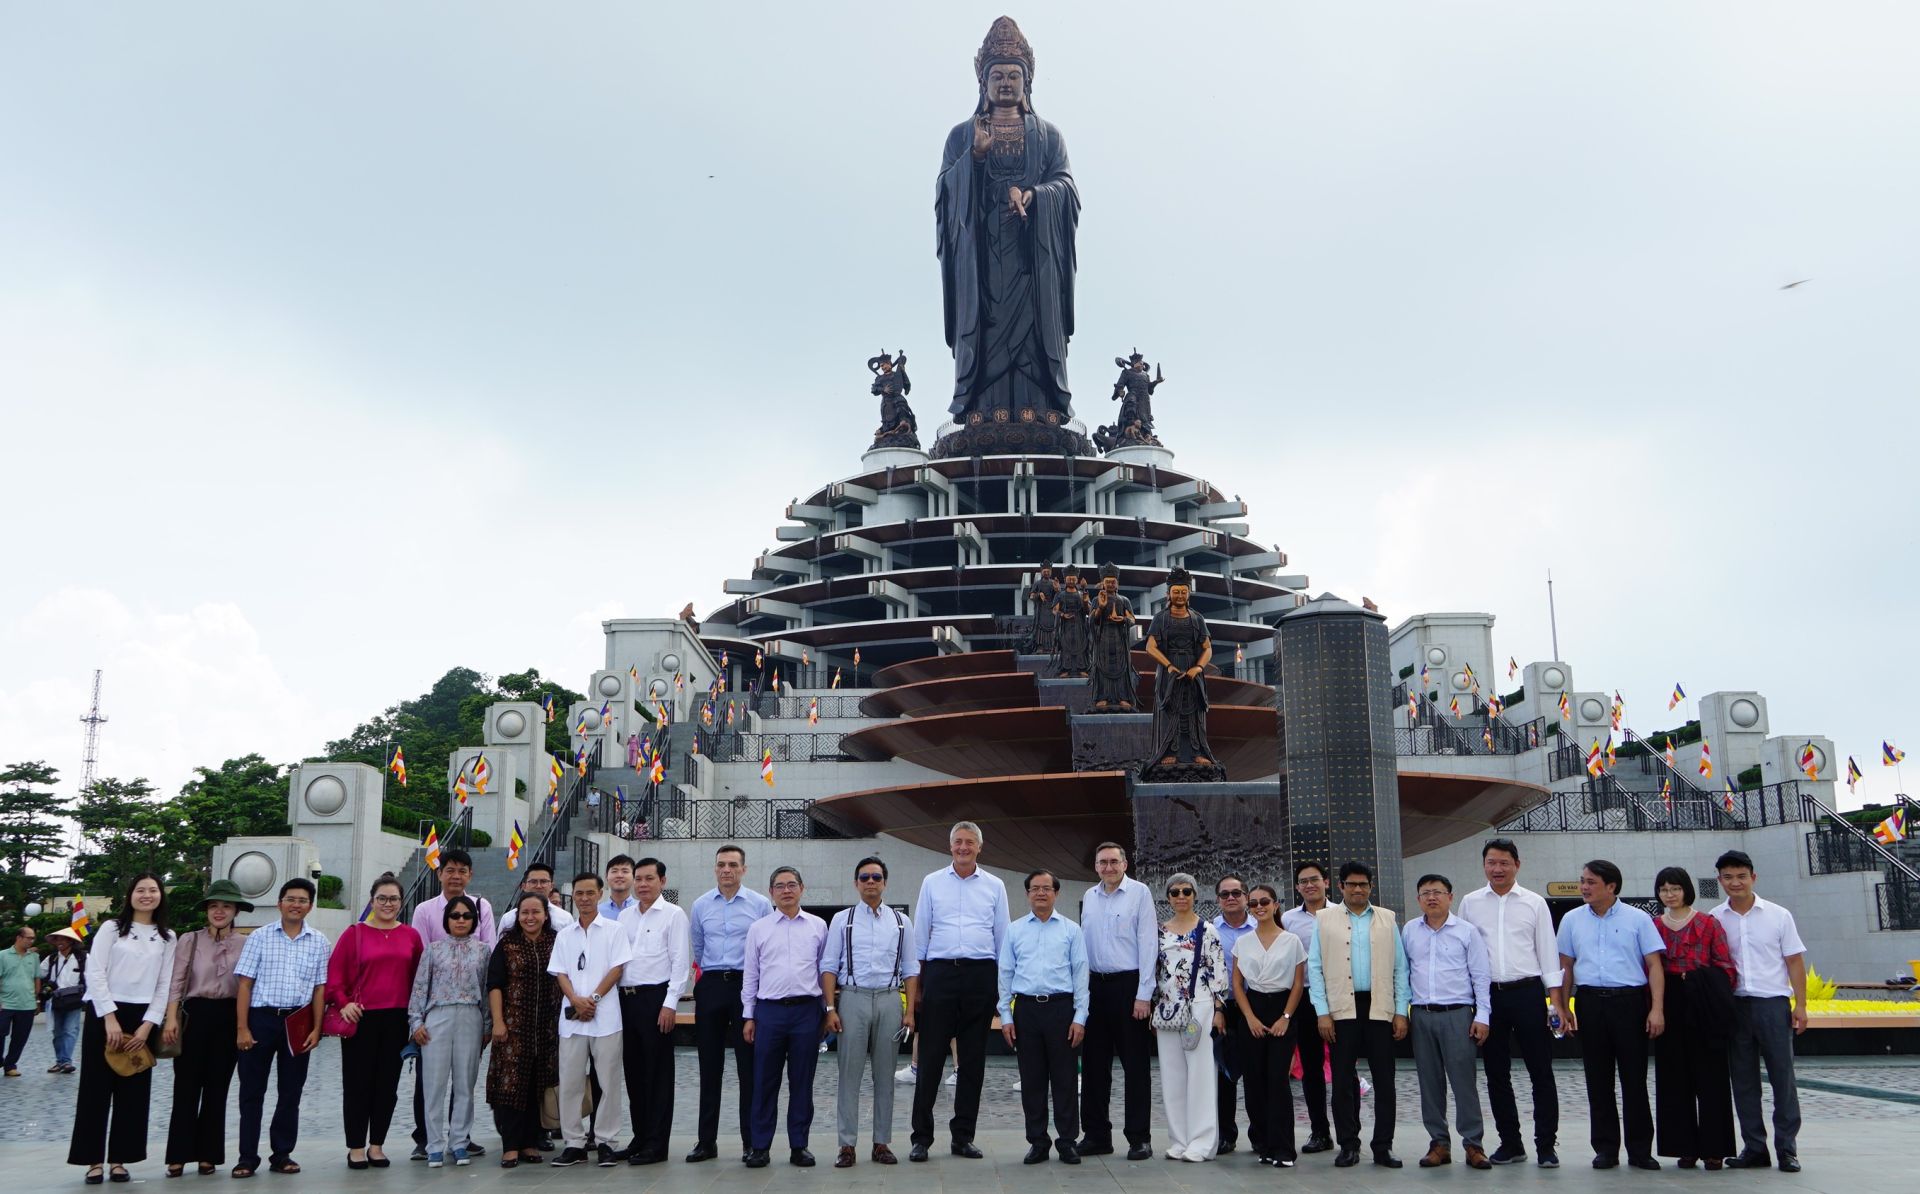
{"x": 1318, "y": 1143}
{"x": 636, "y": 1157}
{"x": 1226, "y": 1146}
{"x": 801, "y": 1157}
{"x": 1789, "y": 1163}
{"x": 1749, "y": 1161}
{"x": 1089, "y": 1147}
{"x": 756, "y": 1158}
{"x": 1068, "y": 1154}
{"x": 1606, "y": 1162}
{"x": 1036, "y": 1153}
{"x": 1140, "y": 1152}
{"x": 1348, "y": 1158}
{"x": 965, "y": 1148}
{"x": 1643, "y": 1162}
{"x": 917, "y": 1153}
{"x": 1387, "y": 1161}
{"x": 702, "y": 1152}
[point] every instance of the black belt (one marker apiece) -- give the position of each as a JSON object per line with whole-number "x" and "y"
{"x": 1114, "y": 976}
{"x": 1047, "y": 998}
{"x": 1607, "y": 992}
{"x": 1440, "y": 1007}
{"x": 1518, "y": 984}
{"x": 729, "y": 975}
{"x": 639, "y": 987}
{"x": 791, "y": 1000}
{"x": 282, "y": 1012}
{"x": 958, "y": 962}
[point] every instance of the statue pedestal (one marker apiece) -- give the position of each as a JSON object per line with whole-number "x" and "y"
{"x": 1143, "y": 454}
{"x": 1012, "y": 437}
{"x": 880, "y": 458}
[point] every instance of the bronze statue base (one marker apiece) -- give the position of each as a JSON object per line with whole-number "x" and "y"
{"x": 1024, "y": 434}
{"x": 1157, "y": 772}
{"x": 894, "y": 439}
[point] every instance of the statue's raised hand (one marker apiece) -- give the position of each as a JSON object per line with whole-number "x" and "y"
{"x": 982, "y": 136}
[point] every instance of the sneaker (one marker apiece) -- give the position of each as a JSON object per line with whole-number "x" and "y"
{"x": 460, "y": 1157}
{"x": 1548, "y": 1159}
{"x": 12, "y": 1073}
{"x": 1507, "y": 1154}
{"x": 436, "y": 1160}
{"x": 953, "y": 1079}
{"x": 608, "y": 1158}
{"x": 419, "y": 1153}
{"x": 569, "y": 1156}
{"x": 907, "y": 1073}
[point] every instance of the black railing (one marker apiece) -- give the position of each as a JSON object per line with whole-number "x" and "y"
{"x": 1898, "y": 903}
{"x": 811, "y": 676}
{"x": 786, "y": 748}
{"x": 1445, "y": 738}
{"x": 737, "y": 819}
{"x": 586, "y": 855}
{"x": 550, "y": 827}
{"x": 1831, "y": 850}
{"x": 1604, "y": 805}
{"x": 833, "y": 704}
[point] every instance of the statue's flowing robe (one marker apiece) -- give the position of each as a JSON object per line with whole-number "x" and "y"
{"x": 1111, "y": 676}
{"x": 1180, "y": 704}
{"x": 1007, "y": 281}
{"x": 1071, "y": 609}
{"x": 1043, "y": 594}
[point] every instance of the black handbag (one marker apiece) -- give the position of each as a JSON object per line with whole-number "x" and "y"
{"x": 69, "y": 999}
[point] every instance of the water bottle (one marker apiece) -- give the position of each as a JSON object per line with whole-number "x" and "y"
{"x": 1553, "y": 1021}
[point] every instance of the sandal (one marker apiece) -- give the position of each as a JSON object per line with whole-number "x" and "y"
{"x": 206, "y": 1168}
{"x": 176, "y": 1170}
{"x": 118, "y": 1173}
{"x": 243, "y": 1171}
{"x": 287, "y": 1167}
{"x": 95, "y": 1175}
{"x": 509, "y": 1162}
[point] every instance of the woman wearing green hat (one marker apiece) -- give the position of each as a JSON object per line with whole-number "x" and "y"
{"x": 200, "y": 1022}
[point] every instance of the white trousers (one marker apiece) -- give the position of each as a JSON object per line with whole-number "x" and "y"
{"x": 608, "y": 1065}
{"x": 1187, "y": 1083}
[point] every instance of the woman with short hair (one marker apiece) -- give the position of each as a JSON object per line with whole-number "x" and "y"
{"x": 1693, "y": 1095}
{"x": 129, "y": 973}
{"x": 1190, "y": 986}
{"x": 201, "y": 1022}
{"x": 445, "y": 1014}
{"x": 1269, "y": 980}
{"x": 525, "y": 1004}
{"x": 369, "y": 981}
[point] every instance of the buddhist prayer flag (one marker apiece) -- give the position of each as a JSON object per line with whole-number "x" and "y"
{"x": 553, "y": 785}
{"x": 729, "y": 714}
{"x": 1679, "y": 694}
{"x": 1666, "y": 793}
{"x": 1853, "y": 773}
{"x": 1810, "y": 761}
{"x": 1594, "y": 763}
{"x": 399, "y": 765}
{"x": 1423, "y": 677}
{"x": 723, "y": 657}
{"x": 1473, "y": 681}
{"x": 633, "y": 673}
{"x": 1618, "y": 711}
{"x": 581, "y": 729}
{"x": 813, "y": 712}
{"x": 758, "y": 658}
{"x": 1727, "y": 801}
{"x": 1669, "y": 753}
{"x": 79, "y": 921}
{"x": 460, "y": 787}
{"x": 515, "y": 843}
{"x": 836, "y": 679}
{"x": 856, "y": 657}
{"x": 1239, "y": 653}
{"x": 1893, "y": 830}
{"x": 679, "y": 682}
{"x": 546, "y": 705}
{"x": 1890, "y": 754}
{"x": 659, "y": 772}
{"x": 1706, "y": 759}
{"x": 432, "y": 847}
{"x": 1513, "y": 667}
{"x": 482, "y": 776}
{"x": 1566, "y": 708}
{"x": 766, "y": 766}
{"x": 1453, "y": 706}
{"x": 580, "y": 762}
{"x": 706, "y": 711}
{"x": 1495, "y": 706}
{"x": 1486, "y": 736}
{"x": 1613, "y": 759}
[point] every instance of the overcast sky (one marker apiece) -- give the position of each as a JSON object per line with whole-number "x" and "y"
{"x": 343, "y": 344}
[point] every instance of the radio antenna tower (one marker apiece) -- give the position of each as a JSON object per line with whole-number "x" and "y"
{"x": 93, "y": 721}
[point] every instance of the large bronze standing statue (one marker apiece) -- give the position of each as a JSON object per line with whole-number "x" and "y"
{"x": 1113, "y": 682}
{"x": 1070, "y": 611}
{"x": 1041, "y": 596}
{"x": 1181, "y": 648}
{"x": 1007, "y": 212}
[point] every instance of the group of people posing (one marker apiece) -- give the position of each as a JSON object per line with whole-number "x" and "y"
{"x": 578, "y": 1008}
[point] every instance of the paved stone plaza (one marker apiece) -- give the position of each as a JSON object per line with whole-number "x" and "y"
{"x": 1857, "y": 1111}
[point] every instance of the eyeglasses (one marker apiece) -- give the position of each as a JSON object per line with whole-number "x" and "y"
{"x": 386, "y": 899}
{"x": 1260, "y": 902}
{"x": 786, "y": 887}
{"x": 872, "y": 877}
{"x": 1357, "y": 884}
{"x": 1433, "y": 893}
{"x": 1042, "y": 887}
{"x": 1180, "y": 891}
{"x": 459, "y": 916}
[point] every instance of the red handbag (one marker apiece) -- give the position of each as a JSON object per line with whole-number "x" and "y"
{"x": 332, "y": 1023}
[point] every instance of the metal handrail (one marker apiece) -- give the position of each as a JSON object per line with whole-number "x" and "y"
{"x": 1658, "y": 759}
{"x": 832, "y": 705}
{"x": 735, "y": 747}
{"x": 1889, "y": 861}
{"x": 550, "y": 827}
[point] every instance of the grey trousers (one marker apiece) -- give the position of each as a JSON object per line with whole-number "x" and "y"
{"x": 1763, "y": 1028}
{"x": 450, "y": 1059}
{"x": 870, "y": 1037}
{"x": 607, "y": 1054}
{"x": 1443, "y": 1056}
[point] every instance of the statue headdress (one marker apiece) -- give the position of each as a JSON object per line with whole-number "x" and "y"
{"x": 1180, "y": 576}
{"x": 1004, "y": 43}
{"x": 1108, "y": 569}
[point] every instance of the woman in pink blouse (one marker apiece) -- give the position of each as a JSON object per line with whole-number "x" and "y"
{"x": 369, "y": 978}
{"x": 201, "y": 1019}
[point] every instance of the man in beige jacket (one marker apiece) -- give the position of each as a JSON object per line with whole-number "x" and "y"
{"x": 1356, "y": 946}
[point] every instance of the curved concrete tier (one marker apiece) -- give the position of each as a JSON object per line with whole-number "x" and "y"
{"x": 1437, "y": 809}
{"x": 1021, "y": 690}
{"x": 993, "y": 742}
{"x": 982, "y": 663}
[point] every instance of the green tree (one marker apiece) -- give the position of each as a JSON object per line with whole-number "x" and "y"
{"x": 123, "y": 831}
{"x": 246, "y": 796}
{"x": 29, "y": 829}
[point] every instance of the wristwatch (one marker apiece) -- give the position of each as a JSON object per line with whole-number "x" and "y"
{"x": 594, "y": 998}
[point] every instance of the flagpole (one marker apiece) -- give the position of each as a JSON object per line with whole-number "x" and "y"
{"x": 1553, "y": 620}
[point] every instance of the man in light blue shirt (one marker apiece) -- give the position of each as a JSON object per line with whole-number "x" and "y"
{"x": 1353, "y": 943}
{"x": 1122, "y": 929}
{"x": 717, "y": 926}
{"x": 1451, "y": 977}
{"x": 282, "y": 971}
{"x": 867, "y": 960}
{"x": 1613, "y": 952}
{"x": 1043, "y": 1014}
{"x": 620, "y": 895}
{"x": 960, "y": 925}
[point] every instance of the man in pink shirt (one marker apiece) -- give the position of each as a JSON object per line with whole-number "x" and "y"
{"x": 782, "y": 1008}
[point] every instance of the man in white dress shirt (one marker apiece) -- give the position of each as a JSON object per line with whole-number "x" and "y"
{"x": 1770, "y": 1009}
{"x": 1312, "y": 883}
{"x": 1518, "y": 927}
{"x": 650, "y": 988}
{"x": 588, "y": 959}
{"x": 538, "y": 879}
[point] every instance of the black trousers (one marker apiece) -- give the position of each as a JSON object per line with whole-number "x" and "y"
{"x": 1613, "y": 1046}
{"x": 1373, "y": 1040}
{"x": 202, "y": 1076}
{"x": 1046, "y": 1065}
{"x": 1112, "y": 1031}
{"x": 1692, "y": 1092}
{"x": 1315, "y": 1055}
{"x": 269, "y": 1052}
{"x": 105, "y": 1095}
{"x": 957, "y": 1002}
{"x": 519, "y": 1127}
{"x": 1269, "y": 1062}
{"x": 646, "y": 1056}
{"x": 370, "y": 1075}
{"x": 716, "y": 1028}
{"x": 15, "y": 1028}
{"x": 1520, "y": 1018}
{"x": 1232, "y": 1051}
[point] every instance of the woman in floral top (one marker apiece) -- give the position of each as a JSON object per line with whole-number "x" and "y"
{"x": 1693, "y": 1099}
{"x": 1189, "y": 998}
{"x": 447, "y": 1015}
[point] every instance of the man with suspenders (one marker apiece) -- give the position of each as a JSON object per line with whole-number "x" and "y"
{"x": 866, "y": 962}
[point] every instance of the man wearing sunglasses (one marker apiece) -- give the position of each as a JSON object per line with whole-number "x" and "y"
{"x": 867, "y": 962}
{"x": 1233, "y": 923}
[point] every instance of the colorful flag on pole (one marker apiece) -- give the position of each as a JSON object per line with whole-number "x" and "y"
{"x": 1890, "y": 754}
{"x": 729, "y": 715}
{"x": 79, "y": 920}
{"x": 1727, "y": 801}
{"x": 1513, "y": 667}
{"x": 515, "y": 843}
{"x": 658, "y": 773}
{"x": 460, "y": 787}
{"x": 1473, "y": 681}
{"x": 482, "y": 776}
{"x": 1239, "y": 652}
{"x": 546, "y": 705}
{"x": 706, "y": 712}
{"x": 856, "y": 657}
{"x": 1666, "y": 793}
{"x": 1669, "y": 753}
{"x": 1595, "y": 765}
{"x": 766, "y": 766}
{"x": 776, "y": 679}
{"x": 1413, "y": 706}
{"x": 759, "y": 660}
{"x": 399, "y": 765}
{"x": 581, "y": 729}
{"x": 1495, "y": 706}
{"x": 1679, "y": 694}
{"x": 1706, "y": 759}
{"x": 1486, "y": 736}
{"x": 1810, "y": 761}
{"x": 1566, "y": 708}
{"x": 1853, "y": 773}
{"x": 679, "y": 682}
{"x": 633, "y": 673}
{"x": 1893, "y": 830}
{"x": 553, "y": 784}
{"x": 836, "y": 679}
{"x": 806, "y": 658}
{"x": 1618, "y": 710}
{"x": 813, "y": 711}
{"x": 432, "y": 847}
{"x": 1613, "y": 759}
{"x": 1424, "y": 682}
{"x": 1453, "y": 706}
{"x": 580, "y": 762}
{"x": 723, "y": 657}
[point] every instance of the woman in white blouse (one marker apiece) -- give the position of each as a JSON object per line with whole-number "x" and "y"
{"x": 1190, "y": 986}
{"x": 129, "y": 974}
{"x": 1269, "y": 979}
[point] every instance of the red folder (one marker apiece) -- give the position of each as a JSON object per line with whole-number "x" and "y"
{"x": 299, "y": 1028}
